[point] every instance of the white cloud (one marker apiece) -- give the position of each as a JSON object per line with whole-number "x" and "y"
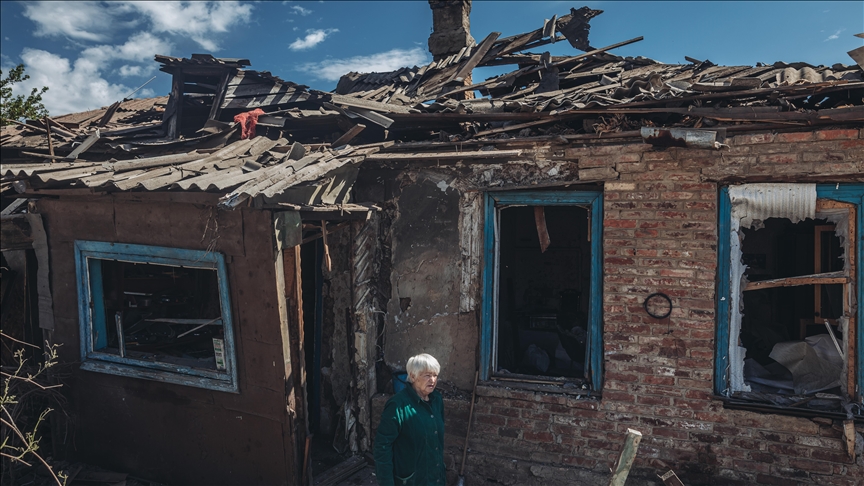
{"x": 297, "y": 9}
{"x": 834, "y": 36}
{"x": 81, "y": 85}
{"x": 312, "y": 39}
{"x": 140, "y": 47}
{"x": 86, "y": 21}
{"x": 333, "y": 69}
{"x": 95, "y": 21}
{"x": 72, "y": 87}
{"x": 127, "y": 70}
{"x": 196, "y": 20}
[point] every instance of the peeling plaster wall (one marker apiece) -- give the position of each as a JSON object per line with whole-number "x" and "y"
{"x": 423, "y": 313}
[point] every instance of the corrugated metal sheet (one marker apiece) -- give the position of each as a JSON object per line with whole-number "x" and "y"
{"x": 752, "y": 204}
{"x": 258, "y": 166}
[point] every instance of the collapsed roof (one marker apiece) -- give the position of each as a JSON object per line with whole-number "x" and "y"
{"x": 190, "y": 141}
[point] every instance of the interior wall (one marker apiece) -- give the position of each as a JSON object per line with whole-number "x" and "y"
{"x": 167, "y": 432}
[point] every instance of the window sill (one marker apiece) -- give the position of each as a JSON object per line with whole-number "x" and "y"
{"x": 516, "y": 390}
{"x": 225, "y": 385}
{"x": 740, "y": 404}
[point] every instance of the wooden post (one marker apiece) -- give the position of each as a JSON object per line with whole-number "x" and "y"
{"x": 327, "y": 262}
{"x": 625, "y": 461}
{"x": 849, "y": 433}
{"x": 50, "y": 142}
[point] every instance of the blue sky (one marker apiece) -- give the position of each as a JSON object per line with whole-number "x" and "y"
{"x": 91, "y": 54}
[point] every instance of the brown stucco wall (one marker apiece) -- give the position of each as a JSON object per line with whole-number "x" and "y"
{"x": 168, "y": 432}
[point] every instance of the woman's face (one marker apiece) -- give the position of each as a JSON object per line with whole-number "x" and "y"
{"x": 424, "y": 383}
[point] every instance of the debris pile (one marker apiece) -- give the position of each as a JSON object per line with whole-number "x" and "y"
{"x": 189, "y": 140}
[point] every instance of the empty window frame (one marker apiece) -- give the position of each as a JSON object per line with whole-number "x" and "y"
{"x": 797, "y": 333}
{"x": 156, "y": 313}
{"x": 541, "y": 314}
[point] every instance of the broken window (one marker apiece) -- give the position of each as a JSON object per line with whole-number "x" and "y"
{"x": 156, "y": 313}
{"x": 541, "y": 314}
{"x": 788, "y": 296}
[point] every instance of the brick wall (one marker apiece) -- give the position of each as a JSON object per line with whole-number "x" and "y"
{"x": 660, "y": 234}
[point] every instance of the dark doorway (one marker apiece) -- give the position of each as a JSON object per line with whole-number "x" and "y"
{"x": 312, "y": 284}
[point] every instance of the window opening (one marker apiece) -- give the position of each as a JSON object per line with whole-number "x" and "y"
{"x": 156, "y": 313}
{"x": 160, "y": 313}
{"x": 542, "y": 317}
{"x": 789, "y": 328}
{"x": 541, "y": 320}
{"x": 788, "y": 336}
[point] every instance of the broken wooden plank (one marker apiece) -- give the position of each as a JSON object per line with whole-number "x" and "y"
{"x": 819, "y": 278}
{"x": 84, "y": 146}
{"x": 857, "y": 55}
{"x": 598, "y": 51}
{"x": 549, "y": 27}
{"x": 50, "y": 142}
{"x": 25, "y": 125}
{"x": 849, "y": 434}
{"x": 519, "y": 126}
{"x": 108, "y": 114}
{"x": 475, "y": 58}
{"x": 59, "y": 128}
{"x": 531, "y": 69}
{"x": 372, "y": 116}
{"x": 480, "y": 154}
{"x": 349, "y": 135}
{"x": 352, "y": 102}
{"x": 625, "y": 460}
{"x": 158, "y": 161}
{"x": 542, "y": 230}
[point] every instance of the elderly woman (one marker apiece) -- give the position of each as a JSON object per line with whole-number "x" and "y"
{"x": 409, "y": 446}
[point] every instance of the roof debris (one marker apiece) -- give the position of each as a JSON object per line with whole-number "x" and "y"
{"x": 188, "y": 141}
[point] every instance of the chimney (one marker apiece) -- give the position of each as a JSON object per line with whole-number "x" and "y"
{"x": 451, "y": 27}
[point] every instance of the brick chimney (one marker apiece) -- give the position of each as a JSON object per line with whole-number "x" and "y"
{"x": 451, "y": 27}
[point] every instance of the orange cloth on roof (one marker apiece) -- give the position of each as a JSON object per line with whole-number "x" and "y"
{"x": 247, "y": 122}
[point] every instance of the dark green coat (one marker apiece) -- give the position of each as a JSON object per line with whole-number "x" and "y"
{"x": 409, "y": 445}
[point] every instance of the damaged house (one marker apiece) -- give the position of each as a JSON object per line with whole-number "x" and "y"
{"x": 238, "y": 272}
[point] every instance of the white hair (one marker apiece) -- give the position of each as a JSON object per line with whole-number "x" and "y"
{"x": 421, "y": 363}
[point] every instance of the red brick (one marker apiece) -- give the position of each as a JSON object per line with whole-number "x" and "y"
{"x": 831, "y": 456}
{"x": 749, "y": 139}
{"x": 852, "y": 144}
{"x": 630, "y": 168}
{"x": 836, "y": 134}
{"x": 619, "y": 223}
{"x": 491, "y": 419}
{"x": 652, "y": 400}
{"x": 795, "y": 137}
{"x": 589, "y": 162}
{"x": 823, "y": 157}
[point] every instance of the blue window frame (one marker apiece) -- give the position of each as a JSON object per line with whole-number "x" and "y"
{"x": 495, "y": 202}
{"x": 104, "y": 346}
{"x": 845, "y": 193}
